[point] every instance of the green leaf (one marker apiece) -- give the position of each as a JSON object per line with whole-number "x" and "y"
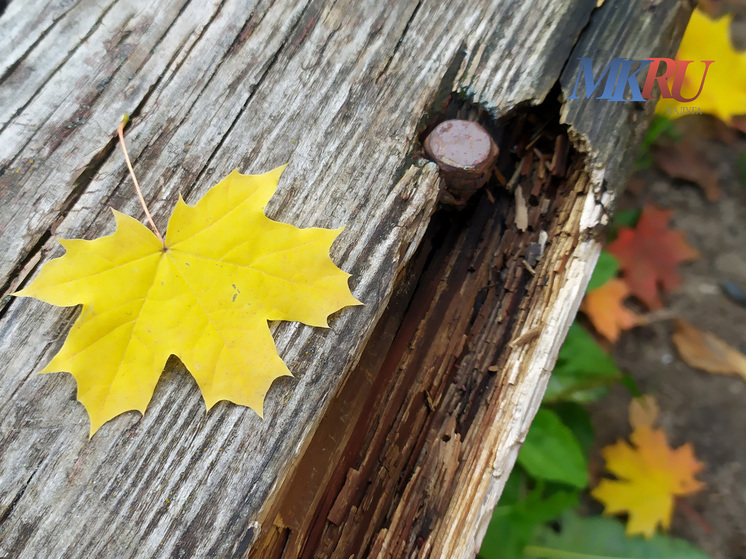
{"x": 603, "y": 538}
{"x": 629, "y": 383}
{"x": 509, "y": 530}
{"x": 513, "y": 525}
{"x": 660, "y": 127}
{"x": 626, "y": 218}
{"x": 515, "y": 488}
{"x": 578, "y": 420}
{"x": 507, "y": 535}
{"x": 552, "y": 452}
{"x": 540, "y": 508}
{"x": 583, "y": 370}
{"x": 606, "y": 268}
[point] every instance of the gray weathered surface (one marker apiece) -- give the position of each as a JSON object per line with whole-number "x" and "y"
{"x": 337, "y": 90}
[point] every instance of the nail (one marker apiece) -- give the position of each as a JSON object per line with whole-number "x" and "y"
{"x": 465, "y": 154}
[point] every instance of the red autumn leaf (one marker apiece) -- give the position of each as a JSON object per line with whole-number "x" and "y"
{"x": 648, "y": 255}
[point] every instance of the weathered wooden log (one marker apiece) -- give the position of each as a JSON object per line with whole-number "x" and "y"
{"x": 403, "y": 420}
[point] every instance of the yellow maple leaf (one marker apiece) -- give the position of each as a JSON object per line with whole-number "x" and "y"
{"x": 724, "y": 90}
{"x": 650, "y": 475}
{"x": 226, "y": 269}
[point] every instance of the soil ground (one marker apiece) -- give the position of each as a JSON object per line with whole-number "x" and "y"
{"x": 705, "y": 409}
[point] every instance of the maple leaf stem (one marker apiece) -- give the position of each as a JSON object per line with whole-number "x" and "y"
{"x": 120, "y": 133}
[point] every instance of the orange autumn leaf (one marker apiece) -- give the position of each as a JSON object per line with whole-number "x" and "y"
{"x": 704, "y": 350}
{"x": 604, "y": 308}
{"x": 648, "y": 255}
{"x": 650, "y": 474}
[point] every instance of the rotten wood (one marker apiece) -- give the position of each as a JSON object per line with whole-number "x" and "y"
{"x": 385, "y": 476}
{"x": 404, "y": 418}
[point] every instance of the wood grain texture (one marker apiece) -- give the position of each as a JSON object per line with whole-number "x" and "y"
{"x": 337, "y": 89}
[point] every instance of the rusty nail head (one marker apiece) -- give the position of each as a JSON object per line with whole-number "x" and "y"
{"x": 465, "y": 154}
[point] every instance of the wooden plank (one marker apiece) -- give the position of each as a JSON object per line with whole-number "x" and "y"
{"x": 340, "y": 90}
{"x": 23, "y": 24}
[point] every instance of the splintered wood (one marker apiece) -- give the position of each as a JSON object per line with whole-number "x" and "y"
{"x": 385, "y": 478}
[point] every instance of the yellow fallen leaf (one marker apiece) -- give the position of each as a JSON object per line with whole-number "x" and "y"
{"x": 724, "y": 90}
{"x": 704, "y": 350}
{"x": 643, "y": 411}
{"x": 226, "y": 269}
{"x": 650, "y": 474}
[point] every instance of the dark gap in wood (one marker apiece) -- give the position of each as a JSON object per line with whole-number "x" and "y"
{"x": 14, "y": 282}
{"x": 177, "y": 52}
{"x": 21, "y": 272}
{"x": 426, "y": 372}
{"x": 400, "y": 41}
{"x": 4, "y": 4}
{"x": 16, "y": 498}
{"x": 206, "y": 169}
{"x": 19, "y": 110}
{"x": 166, "y": 133}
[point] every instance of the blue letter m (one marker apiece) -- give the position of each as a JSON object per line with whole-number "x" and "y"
{"x": 586, "y": 67}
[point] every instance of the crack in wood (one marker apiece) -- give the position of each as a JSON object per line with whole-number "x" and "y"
{"x": 227, "y": 132}
{"x": 51, "y": 74}
{"x": 26, "y": 267}
{"x": 14, "y": 502}
{"x": 410, "y": 19}
{"x": 375, "y": 479}
{"x": 14, "y": 65}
